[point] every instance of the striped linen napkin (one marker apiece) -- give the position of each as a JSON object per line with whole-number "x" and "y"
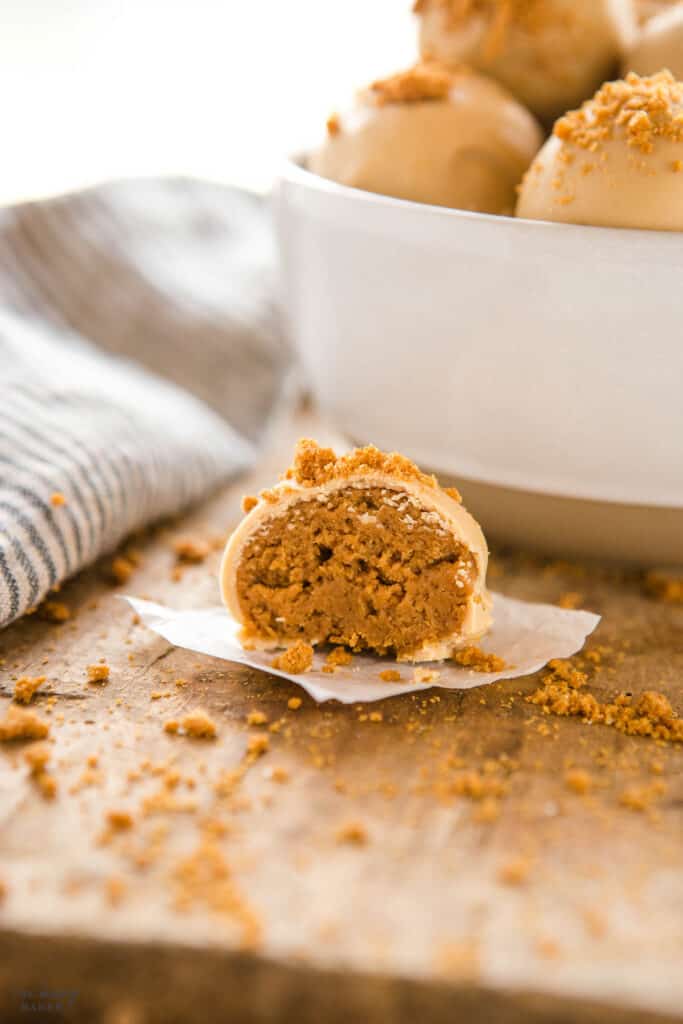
{"x": 140, "y": 363}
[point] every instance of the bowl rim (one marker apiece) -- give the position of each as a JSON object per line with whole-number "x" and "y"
{"x": 648, "y": 239}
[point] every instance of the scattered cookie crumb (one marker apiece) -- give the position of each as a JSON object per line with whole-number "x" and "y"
{"x": 37, "y": 758}
{"x": 570, "y": 601}
{"x": 19, "y": 724}
{"x": 258, "y": 744}
{"x": 333, "y": 125}
{"x": 353, "y": 833}
{"x": 296, "y": 659}
{"x": 294, "y": 703}
{"x": 488, "y": 811}
{"x": 205, "y": 878}
{"x": 548, "y": 949}
{"x": 376, "y": 716}
{"x": 249, "y": 502}
{"x": 256, "y": 718}
{"x": 390, "y": 675}
{"x": 120, "y": 570}
{"x": 665, "y": 585}
{"x": 338, "y": 657}
{"x": 54, "y": 611}
{"x": 641, "y": 798}
{"x": 57, "y": 499}
{"x": 459, "y": 960}
{"x": 425, "y": 675}
{"x": 172, "y": 726}
{"x": 98, "y": 673}
{"x": 115, "y": 890}
{"x": 515, "y": 872}
{"x": 650, "y": 715}
{"x": 579, "y": 781}
{"x": 25, "y": 688}
{"x": 119, "y": 821}
{"x": 477, "y": 660}
{"x": 198, "y": 725}
{"x": 191, "y": 550}
{"x": 595, "y": 922}
{"x": 280, "y": 775}
{"x": 47, "y": 785}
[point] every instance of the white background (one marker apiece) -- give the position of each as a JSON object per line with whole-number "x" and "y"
{"x": 91, "y": 89}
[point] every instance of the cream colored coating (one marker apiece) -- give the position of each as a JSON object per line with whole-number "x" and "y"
{"x": 467, "y": 150}
{"x": 551, "y": 60}
{"x": 631, "y": 178}
{"x": 457, "y": 519}
{"x": 646, "y": 9}
{"x": 659, "y": 45}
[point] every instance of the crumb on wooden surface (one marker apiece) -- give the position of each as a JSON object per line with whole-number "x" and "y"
{"x": 571, "y": 600}
{"x": 118, "y": 820}
{"x": 294, "y": 703}
{"x": 665, "y": 585}
{"x": 578, "y": 780}
{"x": 98, "y": 673}
{"x": 191, "y": 550}
{"x": 353, "y": 833}
{"x": 642, "y": 797}
{"x": 54, "y": 611}
{"x": 199, "y": 725}
{"x": 120, "y": 570}
{"x": 256, "y": 717}
{"x": 37, "y": 757}
{"x": 20, "y": 724}
{"x": 515, "y": 872}
{"x": 258, "y": 744}
{"x": 204, "y": 878}
{"x": 115, "y": 890}
{"x": 562, "y": 694}
{"x": 26, "y": 686}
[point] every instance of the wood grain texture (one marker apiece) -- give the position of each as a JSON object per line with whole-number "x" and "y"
{"x": 279, "y": 918}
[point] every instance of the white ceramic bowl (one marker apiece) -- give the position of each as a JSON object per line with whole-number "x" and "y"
{"x": 532, "y": 360}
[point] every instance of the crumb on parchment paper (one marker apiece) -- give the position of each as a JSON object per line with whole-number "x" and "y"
{"x": 296, "y": 659}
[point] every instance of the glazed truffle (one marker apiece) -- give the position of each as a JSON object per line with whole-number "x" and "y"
{"x": 659, "y": 45}
{"x": 616, "y": 162}
{"x": 551, "y": 54}
{"x": 448, "y": 138}
{"x": 362, "y": 550}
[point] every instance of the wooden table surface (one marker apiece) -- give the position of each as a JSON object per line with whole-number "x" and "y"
{"x": 341, "y": 874}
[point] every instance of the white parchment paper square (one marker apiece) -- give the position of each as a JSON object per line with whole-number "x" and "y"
{"x": 527, "y": 636}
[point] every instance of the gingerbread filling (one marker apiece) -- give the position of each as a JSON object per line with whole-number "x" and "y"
{"x": 370, "y": 568}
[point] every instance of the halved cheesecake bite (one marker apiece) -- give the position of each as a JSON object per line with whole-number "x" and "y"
{"x": 362, "y": 550}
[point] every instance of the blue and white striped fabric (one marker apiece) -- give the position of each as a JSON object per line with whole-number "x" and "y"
{"x": 123, "y": 446}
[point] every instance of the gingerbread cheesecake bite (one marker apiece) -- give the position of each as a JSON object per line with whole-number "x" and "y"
{"x": 659, "y": 45}
{"x": 362, "y": 550}
{"x": 432, "y": 135}
{"x": 616, "y": 162}
{"x": 551, "y": 54}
